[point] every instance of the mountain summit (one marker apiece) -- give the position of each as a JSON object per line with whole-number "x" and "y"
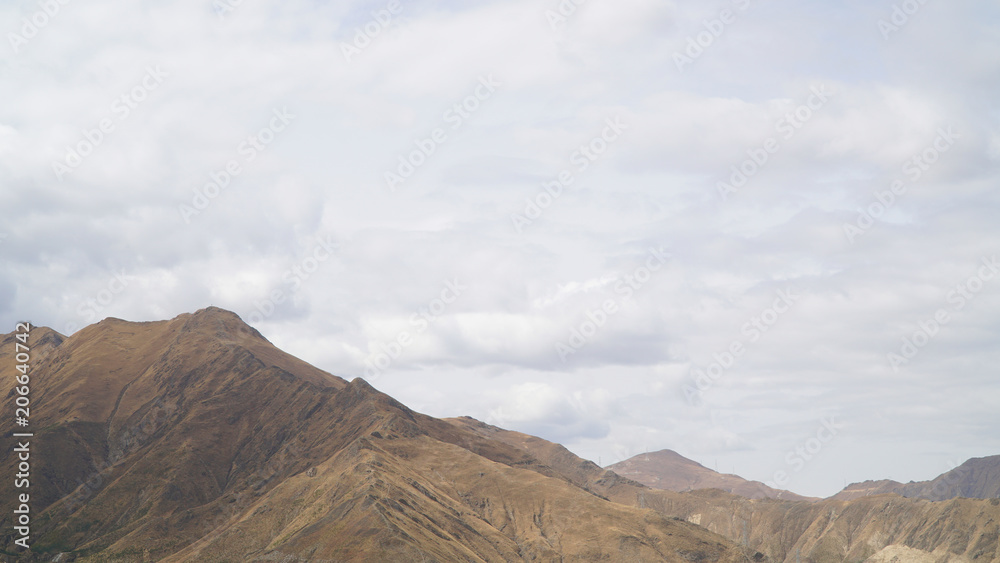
{"x": 667, "y": 469}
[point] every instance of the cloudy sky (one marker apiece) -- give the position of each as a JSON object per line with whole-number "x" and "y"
{"x": 761, "y": 234}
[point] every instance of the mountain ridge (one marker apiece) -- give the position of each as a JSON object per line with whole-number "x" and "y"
{"x": 977, "y": 477}
{"x": 195, "y": 439}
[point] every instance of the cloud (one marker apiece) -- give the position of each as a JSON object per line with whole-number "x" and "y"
{"x": 541, "y": 409}
{"x": 494, "y": 349}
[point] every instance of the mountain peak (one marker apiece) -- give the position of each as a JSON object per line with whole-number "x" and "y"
{"x": 218, "y": 319}
{"x": 360, "y": 384}
{"x": 667, "y": 469}
{"x": 215, "y": 312}
{"x": 672, "y": 455}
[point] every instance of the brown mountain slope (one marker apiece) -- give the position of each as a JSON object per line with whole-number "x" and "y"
{"x": 667, "y": 469}
{"x": 215, "y": 446}
{"x": 583, "y": 473}
{"x": 196, "y": 440}
{"x": 955, "y": 530}
{"x": 399, "y": 494}
{"x": 879, "y": 528}
{"x": 978, "y": 477}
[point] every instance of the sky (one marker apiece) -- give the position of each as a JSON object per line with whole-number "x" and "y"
{"x": 761, "y": 234}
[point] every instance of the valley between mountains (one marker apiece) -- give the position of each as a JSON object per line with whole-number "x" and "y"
{"x": 196, "y": 439}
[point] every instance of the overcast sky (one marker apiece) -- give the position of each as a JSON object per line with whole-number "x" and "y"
{"x": 435, "y": 195}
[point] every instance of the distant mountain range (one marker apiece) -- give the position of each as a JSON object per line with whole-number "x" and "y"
{"x": 976, "y": 478}
{"x": 666, "y": 469}
{"x": 195, "y": 439}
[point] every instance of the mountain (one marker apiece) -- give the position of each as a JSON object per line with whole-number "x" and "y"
{"x": 878, "y": 529}
{"x": 978, "y": 477}
{"x": 195, "y": 439}
{"x": 667, "y": 469}
{"x": 871, "y": 530}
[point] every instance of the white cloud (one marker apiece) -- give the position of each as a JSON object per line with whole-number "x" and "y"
{"x": 493, "y": 349}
